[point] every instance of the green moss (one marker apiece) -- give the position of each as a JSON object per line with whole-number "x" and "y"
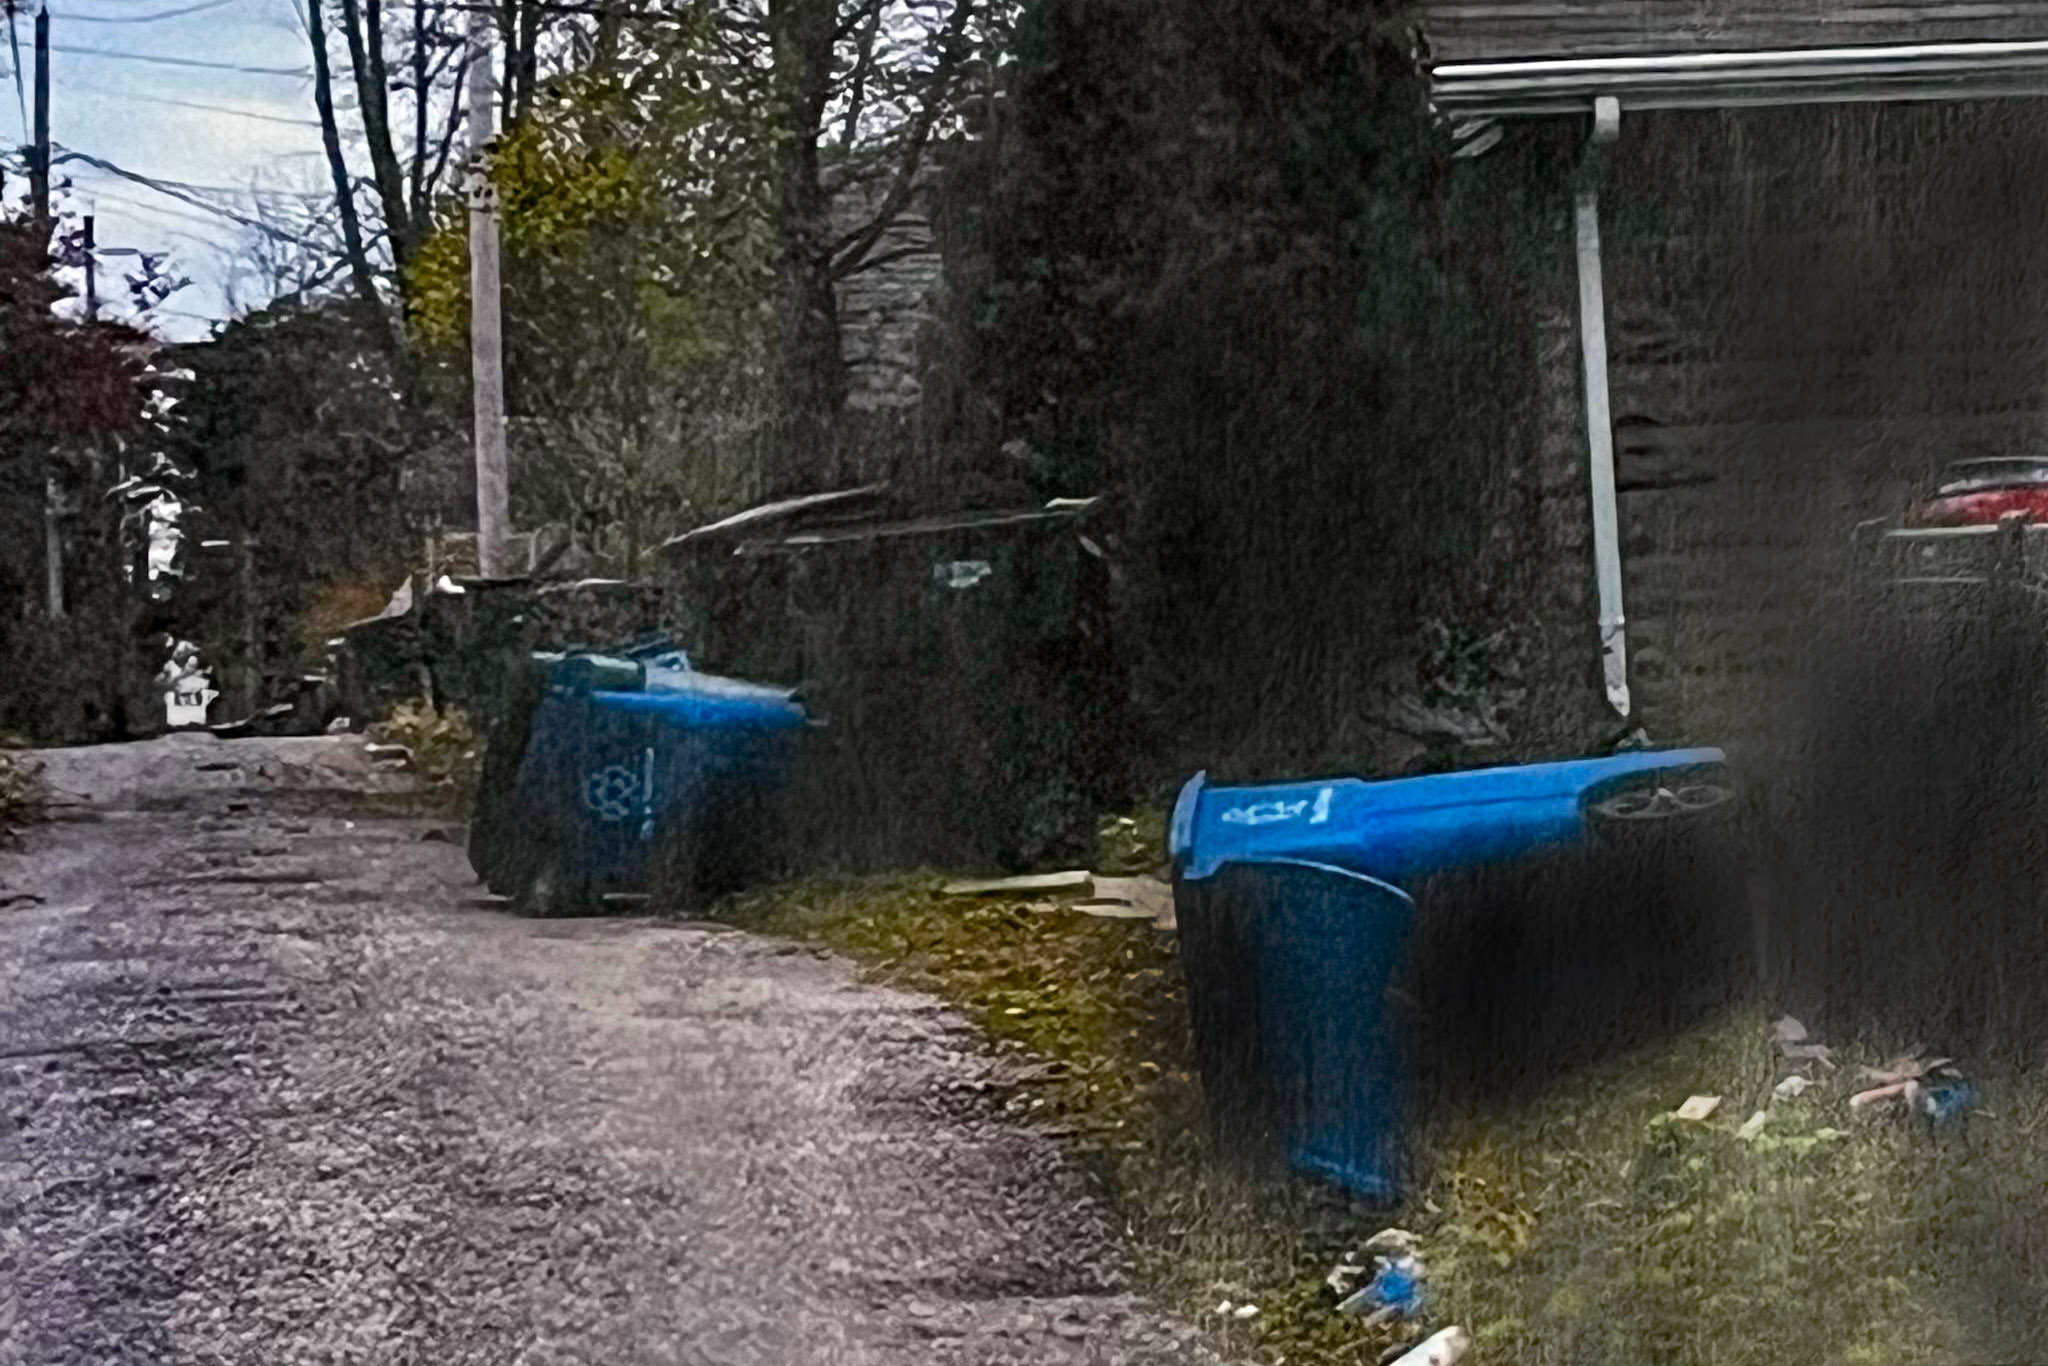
{"x": 1585, "y": 1227}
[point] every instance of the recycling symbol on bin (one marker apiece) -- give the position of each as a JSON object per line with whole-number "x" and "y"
{"x": 612, "y": 792}
{"x": 1265, "y": 813}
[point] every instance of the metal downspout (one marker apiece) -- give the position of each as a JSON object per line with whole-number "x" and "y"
{"x": 1599, "y": 424}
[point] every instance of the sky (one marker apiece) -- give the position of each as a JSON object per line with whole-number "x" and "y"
{"x": 222, "y": 129}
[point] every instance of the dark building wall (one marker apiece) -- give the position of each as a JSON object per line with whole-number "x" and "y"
{"x": 1810, "y": 311}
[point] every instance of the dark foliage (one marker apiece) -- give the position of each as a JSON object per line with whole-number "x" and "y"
{"x": 301, "y": 434}
{"x": 70, "y": 392}
{"x": 1217, "y": 260}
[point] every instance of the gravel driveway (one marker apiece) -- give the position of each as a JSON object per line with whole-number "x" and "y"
{"x": 277, "y": 1086}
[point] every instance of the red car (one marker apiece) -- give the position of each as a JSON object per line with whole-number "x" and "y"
{"x": 1982, "y": 492}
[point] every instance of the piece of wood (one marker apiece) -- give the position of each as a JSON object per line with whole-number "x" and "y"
{"x": 1113, "y": 910}
{"x": 1148, "y": 895}
{"x": 1077, "y": 882}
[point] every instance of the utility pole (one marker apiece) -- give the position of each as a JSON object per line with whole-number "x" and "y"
{"x": 39, "y": 208}
{"x": 39, "y": 158}
{"x": 486, "y": 342}
{"x": 53, "y": 541}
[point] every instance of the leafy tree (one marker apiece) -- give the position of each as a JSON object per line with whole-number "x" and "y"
{"x": 302, "y": 454}
{"x": 634, "y": 236}
{"x": 63, "y": 380}
{"x": 1214, "y": 257}
{"x": 71, "y": 392}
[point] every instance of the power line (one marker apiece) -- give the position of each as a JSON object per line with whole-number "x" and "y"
{"x": 171, "y": 188}
{"x": 200, "y": 105}
{"x": 145, "y": 206}
{"x": 312, "y": 196}
{"x": 297, "y": 73}
{"x": 71, "y": 18}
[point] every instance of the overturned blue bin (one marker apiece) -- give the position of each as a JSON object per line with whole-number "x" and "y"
{"x": 631, "y": 773}
{"x": 1300, "y": 906}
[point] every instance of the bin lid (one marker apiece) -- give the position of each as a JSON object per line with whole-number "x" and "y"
{"x": 1402, "y": 827}
{"x": 706, "y": 701}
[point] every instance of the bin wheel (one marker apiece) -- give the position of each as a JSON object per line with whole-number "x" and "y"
{"x": 678, "y": 875}
{"x": 1656, "y": 804}
{"x": 546, "y": 888}
{"x": 1665, "y": 814}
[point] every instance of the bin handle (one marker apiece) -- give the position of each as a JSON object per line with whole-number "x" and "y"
{"x": 1180, "y": 830}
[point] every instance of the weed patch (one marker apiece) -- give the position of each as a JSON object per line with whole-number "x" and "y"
{"x": 1584, "y": 1225}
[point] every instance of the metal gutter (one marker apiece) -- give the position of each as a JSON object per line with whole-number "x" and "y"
{"x": 1711, "y": 80}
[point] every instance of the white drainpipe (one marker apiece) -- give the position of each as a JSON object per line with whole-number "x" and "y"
{"x": 1599, "y": 424}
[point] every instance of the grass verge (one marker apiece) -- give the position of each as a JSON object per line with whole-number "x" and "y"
{"x": 1587, "y": 1226}
{"x": 447, "y": 753}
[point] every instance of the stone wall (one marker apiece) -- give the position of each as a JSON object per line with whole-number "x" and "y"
{"x": 884, "y": 309}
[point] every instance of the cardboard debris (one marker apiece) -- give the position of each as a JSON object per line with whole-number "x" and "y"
{"x": 1699, "y": 1108}
{"x": 1440, "y": 1349}
{"x": 1076, "y": 882}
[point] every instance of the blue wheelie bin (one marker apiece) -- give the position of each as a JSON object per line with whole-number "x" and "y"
{"x": 1300, "y": 905}
{"x": 633, "y": 774}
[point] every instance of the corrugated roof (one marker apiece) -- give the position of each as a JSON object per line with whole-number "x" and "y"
{"x": 1502, "y": 30}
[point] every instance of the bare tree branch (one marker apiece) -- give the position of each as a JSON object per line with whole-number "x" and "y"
{"x": 363, "y": 21}
{"x": 952, "y": 46}
{"x": 420, "y": 86}
{"x": 873, "y": 262}
{"x": 857, "y": 83}
{"x": 456, "y": 112}
{"x": 522, "y": 63}
{"x": 337, "y": 165}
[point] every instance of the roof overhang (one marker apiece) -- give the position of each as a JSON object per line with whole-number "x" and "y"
{"x": 1468, "y": 91}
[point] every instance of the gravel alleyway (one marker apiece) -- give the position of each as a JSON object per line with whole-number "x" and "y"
{"x": 276, "y": 1086}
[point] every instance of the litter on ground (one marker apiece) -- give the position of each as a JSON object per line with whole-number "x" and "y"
{"x": 1698, "y": 1109}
